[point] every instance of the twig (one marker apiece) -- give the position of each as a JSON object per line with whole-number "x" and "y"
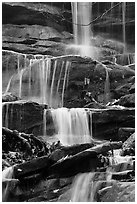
{"x": 102, "y": 15}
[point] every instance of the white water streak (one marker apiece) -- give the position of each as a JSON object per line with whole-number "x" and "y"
{"x": 72, "y": 125}
{"x": 65, "y": 78}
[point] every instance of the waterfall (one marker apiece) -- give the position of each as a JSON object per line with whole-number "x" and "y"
{"x": 5, "y": 114}
{"x": 124, "y": 24}
{"x": 86, "y": 186}
{"x": 107, "y": 87}
{"x": 8, "y": 112}
{"x": 7, "y": 174}
{"x": 20, "y": 82}
{"x": 82, "y": 188}
{"x": 72, "y": 125}
{"x": 39, "y": 80}
{"x": 65, "y": 80}
{"x": 81, "y": 16}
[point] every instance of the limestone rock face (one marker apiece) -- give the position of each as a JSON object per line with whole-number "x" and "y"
{"x": 107, "y": 122}
{"x": 21, "y": 115}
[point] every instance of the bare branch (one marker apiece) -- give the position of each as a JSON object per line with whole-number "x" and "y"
{"x": 99, "y": 17}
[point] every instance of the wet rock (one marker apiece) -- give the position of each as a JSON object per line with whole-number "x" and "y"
{"x": 32, "y": 32}
{"x": 9, "y": 97}
{"x": 131, "y": 80}
{"x": 125, "y": 59}
{"x": 105, "y": 123}
{"x": 114, "y": 45}
{"x": 121, "y": 192}
{"x": 5, "y": 164}
{"x": 127, "y": 100}
{"x": 131, "y": 66}
{"x": 35, "y": 14}
{"x": 125, "y": 132}
{"x": 124, "y": 165}
{"x": 65, "y": 197}
{"x": 28, "y": 114}
{"x": 122, "y": 90}
{"x": 128, "y": 147}
{"x": 119, "y": 71}
{"x": 132, "y": 89}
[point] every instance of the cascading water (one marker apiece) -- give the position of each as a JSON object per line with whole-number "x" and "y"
{"x": 82, "y": 17}
{"x": 39, "y": 80}
{"x": 7, "y": 174}
{"x": 124, "y": 24}
{"x": 82, "y": 189}
{"x": 72, "y": 125}
{"x": 85, "y": 186}
{"x": 107, "y": 87}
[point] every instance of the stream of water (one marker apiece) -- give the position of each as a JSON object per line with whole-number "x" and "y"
{"x": 39, "y": 81}
{"x": 72, "y": 125}
{"x": 82, "y": 29}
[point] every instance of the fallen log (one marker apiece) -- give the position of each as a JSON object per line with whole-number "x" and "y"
{"x": 105, "y": 147}
{"x": 81, "y": 162}
{"x": 31, "y": 167}
{"x": 84, "y": 161}
{"x": 40, "y": 164}
{"x": 64, "y": 151}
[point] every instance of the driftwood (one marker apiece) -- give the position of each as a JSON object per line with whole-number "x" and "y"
{"x": 40, "y": 164}
{"x": 31, "y": 167}
{"x": 64, "y": 151}
{"x": 84, "y": 161}
{"x": 107, "y": 146}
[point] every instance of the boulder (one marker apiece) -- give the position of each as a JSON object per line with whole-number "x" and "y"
{"x": 9, "y": 97}
{"x": 122, "y": 90}
{"x": 21, "y": 115}
{"x": 125, "y": 132}
{"x": 127, "y": 100}
{"x": 121, "y": 192}
{"x": 128, "y": 147}
{"x": 125, "y": 59}
{"x": 105, "y": 123}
